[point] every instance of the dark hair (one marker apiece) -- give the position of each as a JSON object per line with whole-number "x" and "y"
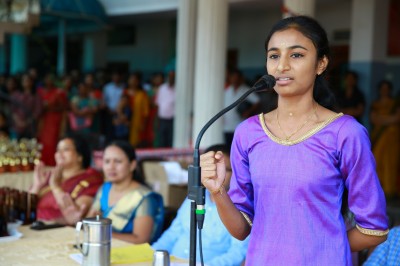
{"x": 311, "y": 29}
{"x": 235, "y": 71}
{"x": 387, "y": 82}
{"x": 139, "y": 77}
{"x": 353, "y": 74}
{"x": 129, "y": 151}
{"x": 82, "y": 148}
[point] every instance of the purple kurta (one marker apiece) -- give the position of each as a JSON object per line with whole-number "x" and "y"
{"x": 292, "y": 192}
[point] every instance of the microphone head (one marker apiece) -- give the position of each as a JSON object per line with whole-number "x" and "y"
{"x": 264, "y": 83}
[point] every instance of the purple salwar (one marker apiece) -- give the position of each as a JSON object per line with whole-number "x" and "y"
{"x": 292, "y": 191}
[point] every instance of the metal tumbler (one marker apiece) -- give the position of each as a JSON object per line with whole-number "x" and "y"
{"x": 161, "y": 258}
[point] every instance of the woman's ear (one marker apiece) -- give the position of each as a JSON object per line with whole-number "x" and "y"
{"x": 132, "y": 166}
{"x": 322, "y": 65}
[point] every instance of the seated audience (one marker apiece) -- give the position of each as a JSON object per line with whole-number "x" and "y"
{"x": 66, "y": 191}
{"x": 219, "y": 247}
{"x": 387, "y": 253}
{"x": 136, "y": 212}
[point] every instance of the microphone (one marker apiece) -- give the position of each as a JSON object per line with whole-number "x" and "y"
{"x": 196, "y": 192}
{"x": 265, "y": 83}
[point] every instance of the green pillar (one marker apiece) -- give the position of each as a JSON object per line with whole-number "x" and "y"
{"x": 61, "y": 48}
{"x": 3, "y": 59}
{"x": 18, "y": 53}
{"x": 88, "y": 64}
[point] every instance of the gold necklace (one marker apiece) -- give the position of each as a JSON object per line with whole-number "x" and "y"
{"x": 287, "y": 138}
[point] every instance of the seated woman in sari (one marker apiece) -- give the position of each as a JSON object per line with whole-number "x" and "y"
{"x": 66, "y": 191}
{"x": 385, "y": 118}
{"x": 136, "y": 212}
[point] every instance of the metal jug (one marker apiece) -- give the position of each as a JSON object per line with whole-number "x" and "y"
{"x": 96, "y": 244}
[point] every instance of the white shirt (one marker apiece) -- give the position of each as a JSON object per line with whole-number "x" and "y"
{"x": 233, "y": 118}
{"x": 166, "y": 101}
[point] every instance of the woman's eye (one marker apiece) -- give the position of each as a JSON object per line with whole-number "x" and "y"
{"x": 273, "y": 56}
{"x": 297, "y": 55}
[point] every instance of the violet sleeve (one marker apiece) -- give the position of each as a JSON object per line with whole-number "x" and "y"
{"x": 358, "y": 168}
{"x": 241, "y": 189}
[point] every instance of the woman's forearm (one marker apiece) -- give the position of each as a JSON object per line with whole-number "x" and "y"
{"x": 72, "y": 210}
{"x": 232, "y": 218}
{"x": 359, "y": 241}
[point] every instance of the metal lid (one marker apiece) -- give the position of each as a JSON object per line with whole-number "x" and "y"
{"x": 97, "y": 220}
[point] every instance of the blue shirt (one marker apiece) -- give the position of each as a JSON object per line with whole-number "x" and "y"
{"x": 219, "y": 247}
{"x": 387, "y": 253}
{"x": 112, "y": 94}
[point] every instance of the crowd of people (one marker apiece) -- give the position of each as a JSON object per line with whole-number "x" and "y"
{"x": 121, "y": 109}
{"x": 143, "y": 112}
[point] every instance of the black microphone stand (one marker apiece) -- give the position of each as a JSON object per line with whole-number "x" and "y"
{"x": 196, "y": 191}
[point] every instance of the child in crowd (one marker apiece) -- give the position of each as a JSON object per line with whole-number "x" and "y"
{"x": 122, "y": 118}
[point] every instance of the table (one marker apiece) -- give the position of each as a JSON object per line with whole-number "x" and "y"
{"x": 46, "y": 248}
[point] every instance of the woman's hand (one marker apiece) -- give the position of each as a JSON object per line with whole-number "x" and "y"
{"x": 55, "y": 177}
{"x": 213, "y": 171}
{"x": 40, "y": 178}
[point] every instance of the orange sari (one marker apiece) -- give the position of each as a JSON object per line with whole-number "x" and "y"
{"x": 140, "y": 106}
{"x": 386, "y": 148}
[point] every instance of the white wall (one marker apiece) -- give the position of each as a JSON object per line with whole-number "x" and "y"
{"x": 153, "y": 50}
{"x": 335, "y": 16}
{"x": 247, "y": 33}
{"x": 248, "y": 30}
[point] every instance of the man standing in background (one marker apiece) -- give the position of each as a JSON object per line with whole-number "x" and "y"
{"x": 165, "y": 101}
{"x": 111, "y": 95}
{"x": 234, "y": 91}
